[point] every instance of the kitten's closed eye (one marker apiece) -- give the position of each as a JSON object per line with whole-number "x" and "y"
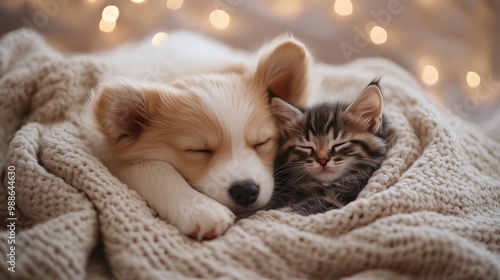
{"x": 306, "y": 149}
{"x": 337, "y": 147}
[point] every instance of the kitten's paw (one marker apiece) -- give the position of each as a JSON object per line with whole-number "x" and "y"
{"x": 206, "y": 221}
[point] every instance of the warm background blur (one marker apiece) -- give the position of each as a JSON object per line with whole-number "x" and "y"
{"x": 451, "y": 46}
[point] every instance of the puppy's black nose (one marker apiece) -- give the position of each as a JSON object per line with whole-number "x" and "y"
{"x": 244, "y": 192}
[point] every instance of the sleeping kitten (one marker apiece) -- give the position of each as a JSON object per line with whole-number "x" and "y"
{"x": 327, "y": 152}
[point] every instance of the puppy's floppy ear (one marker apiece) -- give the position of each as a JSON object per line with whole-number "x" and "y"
{"x": 284, "y": 68}
{"x": 368, "y": 107}
{"x": 285, "y": 113}
{"x": 123, "y": 109}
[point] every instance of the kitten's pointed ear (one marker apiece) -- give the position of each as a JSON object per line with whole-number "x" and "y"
{"x": 285, "y": 113}
{"x": 122, "y": 110}
{"x": 368, "y": 107}
{"x": 284, "y": 68}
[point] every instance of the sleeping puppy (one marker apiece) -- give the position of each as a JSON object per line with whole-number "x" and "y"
{"x": 200, "y": 149}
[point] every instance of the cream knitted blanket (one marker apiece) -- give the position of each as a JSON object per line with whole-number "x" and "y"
{"x": 431, "y": 211}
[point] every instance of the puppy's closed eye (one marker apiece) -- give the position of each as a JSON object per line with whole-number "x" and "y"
{"x": 260, "y": 144}
{"x": 199, "y": 154}
{"x": 204, "y": 151}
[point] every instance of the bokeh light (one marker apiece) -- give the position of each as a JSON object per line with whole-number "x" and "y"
{"x": 430, "y": 75}
{"x": 107, "y": 26}
{"x": 343, "y": 7}
{"x": 174, "y": 4}
{"x": 159, "y": 39}
{"x": 473, "y": 79}
{"x": 378, "y": 35}
{"x": 219, "y": 19}
{"x": 110, "y": 13}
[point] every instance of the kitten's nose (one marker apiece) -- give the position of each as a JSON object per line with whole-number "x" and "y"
{"x": 244, "y": 192}
{"x": 322, "y": 161}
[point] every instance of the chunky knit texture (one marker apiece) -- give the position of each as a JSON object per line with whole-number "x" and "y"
{"x": 431, "y": 211}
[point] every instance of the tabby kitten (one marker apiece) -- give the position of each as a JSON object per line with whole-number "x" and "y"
{"x": 327, "y": 152}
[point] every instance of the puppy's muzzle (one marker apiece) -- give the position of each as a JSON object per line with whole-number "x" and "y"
{"x": 244, "y": 192}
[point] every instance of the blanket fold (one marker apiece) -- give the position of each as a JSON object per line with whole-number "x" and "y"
{"x": 431, "y": 211}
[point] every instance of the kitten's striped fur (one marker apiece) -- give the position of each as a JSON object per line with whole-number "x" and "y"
{"x": 328, "y": 152}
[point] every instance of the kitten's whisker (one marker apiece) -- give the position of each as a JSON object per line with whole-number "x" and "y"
{"x": 366, "y": 162}
{"x": 288, "y": 170}
{"x": 351, "y": 176}
{"x": 294, "y": 175}
{"x": 296, "y": 179}
{"x": 359, "y": 171}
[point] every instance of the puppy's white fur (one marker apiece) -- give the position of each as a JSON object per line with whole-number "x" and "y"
{"x": 182, "y": 142}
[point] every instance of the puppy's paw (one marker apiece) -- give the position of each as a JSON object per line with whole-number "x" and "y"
{"x": 206, "y": 221}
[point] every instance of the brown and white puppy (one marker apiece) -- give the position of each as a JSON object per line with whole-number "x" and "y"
{"x": 201, "y": 149}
